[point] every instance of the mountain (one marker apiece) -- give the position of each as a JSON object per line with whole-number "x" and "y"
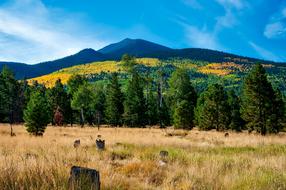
{"x": 22, "y": 70}
{"x": 136, "y": 47}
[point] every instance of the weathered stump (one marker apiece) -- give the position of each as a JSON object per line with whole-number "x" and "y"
{"x": 100, "y": 144}
{"x": 164, "y": 154}
{"x": 76, "y": 143}
{"x": 83, "y": 178}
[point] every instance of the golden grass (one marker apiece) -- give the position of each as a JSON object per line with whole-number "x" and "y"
{"x": 197, "y": 160}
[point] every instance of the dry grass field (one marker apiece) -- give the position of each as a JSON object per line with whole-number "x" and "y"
{"x": 196, "y": 160}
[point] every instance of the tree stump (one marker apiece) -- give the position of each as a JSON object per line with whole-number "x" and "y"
{"x": 163, "y": 153}
{"x": 100, "y": 144}
{"x": 76, "y": 143}
{"x": 83, "y": 178}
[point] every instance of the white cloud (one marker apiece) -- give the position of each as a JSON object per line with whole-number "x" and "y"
{"x": 193, "y": 3}
{"x": 266, "y": 54}
{"x": 30, "y": 32}
{"x": 238, "y": 4}
{"x": 201, "y": 38}
{"x": 276, "y": 27}
{"x": 275, "y": 30}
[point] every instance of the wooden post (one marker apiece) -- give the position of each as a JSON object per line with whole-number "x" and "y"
{"x": 83, "y": 178}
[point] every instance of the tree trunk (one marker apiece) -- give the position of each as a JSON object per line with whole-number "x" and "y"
{"x": 82, "y": 117}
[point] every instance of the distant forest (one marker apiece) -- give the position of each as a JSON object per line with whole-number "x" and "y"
{"x": 254, "y": 105}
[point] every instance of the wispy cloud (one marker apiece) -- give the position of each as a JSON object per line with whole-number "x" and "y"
{"x": 30, "y": 32}
{"x": 266, "y": 54}
{"x": 193, "y": 3}
{"x": 231, "y": 7}
{"x": 276, "y": 27}
{"x": 201, "y": 37}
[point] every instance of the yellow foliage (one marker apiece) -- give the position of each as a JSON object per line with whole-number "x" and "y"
{"x": 220, "y": 69}
{"x": 149, "y": 62}
{"x": 50, "y": 79}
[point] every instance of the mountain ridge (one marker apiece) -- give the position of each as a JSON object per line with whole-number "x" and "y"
{"x": 136, "y": 47}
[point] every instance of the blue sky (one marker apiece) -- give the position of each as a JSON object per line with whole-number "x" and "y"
{"x": 38, "y": 30}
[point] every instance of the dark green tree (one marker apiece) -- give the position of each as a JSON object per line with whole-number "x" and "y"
{"x": 96, "y": 112}
{"x": 60, "y": 100}
{"x": 260, "y": 104}
{"x": 236, "y": 122}
{"x": 74, "y": 83}
{"x": 134, "y": 104}
{"x": 83, "y": 100}
{"x": 114, "y": 101}
{"x": 182, "y": 95}
{"x": 36, "y": 115}
{"x": 212, "y": 111}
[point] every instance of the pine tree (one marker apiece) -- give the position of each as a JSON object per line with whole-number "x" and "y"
{"x": 59, "y": 100}
{"x": 212, "y": 111}
{"x": 73, "y": 84}
{"x": 82, "y": 101}
{"x": 182, "y": 114}
{"x": 182, "y": 95}
{"x": 114, "y": 101}
{"x": 236, "y": 122}
{"x": 36, "y": 115}
{"x": 260, "y": 104}
{"x": 134, "y": 104}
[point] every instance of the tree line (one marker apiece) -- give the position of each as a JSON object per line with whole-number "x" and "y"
{"x": 144, "y": 100}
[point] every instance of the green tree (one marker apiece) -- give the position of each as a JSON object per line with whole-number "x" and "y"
{"x": 182, "y": 95}
{"x": 134, "y": 104}
{"x": 36, "y": 115}
{"x": 74, "y": 82}
{"x": 260, "y": 104}
{"x": 236, "y": 122}
{"x": 114, "y": 101}
{"x": 96, "y": 112}
{"x": 10, "y": 99}
{"x": 212, "y": 111}
{"x": 83, "y": 101}
{"x": 182, "y": 114}
{"x": 60, "y": 100}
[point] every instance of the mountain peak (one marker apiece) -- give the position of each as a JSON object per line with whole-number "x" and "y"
{"x": 135, "y": 47}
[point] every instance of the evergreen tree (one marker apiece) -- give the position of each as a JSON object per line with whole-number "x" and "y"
{"x": 36, "y": 115}
{"x": 236, "y": 122}
{"x": 212, "y": 110}
{"x": 182, "y": 114}
{"x": 114, "y": 101}
{"x": 83, "y": 101}
{"x": 260, "y": 103}
{"x": 134, "y": 104}
{"x": 96, "y": 112}
{"x": 74, "y": 82}
{"x": 182, "y": 95}
{"x": 60, "y": 100}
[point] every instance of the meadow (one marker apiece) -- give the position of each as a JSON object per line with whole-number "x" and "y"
{"x": 196, "y": 160}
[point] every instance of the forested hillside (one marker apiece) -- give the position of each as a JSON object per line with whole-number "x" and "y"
{"x": 138, "y": 48}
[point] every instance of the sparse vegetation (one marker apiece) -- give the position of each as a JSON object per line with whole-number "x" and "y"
{"x": 199, "y": 160}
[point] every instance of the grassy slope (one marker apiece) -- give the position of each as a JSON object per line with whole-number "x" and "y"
{"x": 199, "y": 160}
